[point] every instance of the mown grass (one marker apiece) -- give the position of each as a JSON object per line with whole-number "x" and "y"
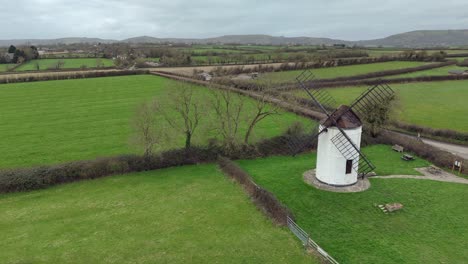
{"x": 341, "y": 71}
{"x": 190, "y": 214}
{"x": 431, "y": 72}
{"x": 430, "y": 229}
{"x": 440, "y": 105}
{"x": 58, "y": 121}
{"x": 45, "y": 64}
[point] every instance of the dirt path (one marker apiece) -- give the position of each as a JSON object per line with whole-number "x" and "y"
{"x": 428, "y": 174}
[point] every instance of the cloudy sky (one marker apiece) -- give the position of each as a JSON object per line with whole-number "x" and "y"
{"x": 343, "y": 19}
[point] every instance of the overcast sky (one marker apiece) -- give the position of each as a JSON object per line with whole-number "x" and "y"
{"x": 344, "y": 19}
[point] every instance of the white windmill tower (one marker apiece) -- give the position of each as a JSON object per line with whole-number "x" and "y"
{"x": 339, "y": 159}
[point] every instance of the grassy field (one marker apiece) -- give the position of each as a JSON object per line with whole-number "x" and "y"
{"x": 430, "y": 229}
{"x": 432, "y": 72}
{"x": 57, "y": 121}
{"x": 440, "y": 105}
{"x": 6, "y": 67}
{"x": 45, "y": 64}
{"x": 341, "y": 71}
{"x": 190, "y": 214}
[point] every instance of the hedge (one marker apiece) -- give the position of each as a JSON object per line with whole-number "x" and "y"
{"x": 17, "y": 78}
{"x": 25, "y": 179}
{"x": 427, "y": 131}
{"x": 262, "y": 198}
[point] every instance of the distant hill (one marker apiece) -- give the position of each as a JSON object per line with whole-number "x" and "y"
{"x": 414, "y": 39}
{"x": 423, "y": 38}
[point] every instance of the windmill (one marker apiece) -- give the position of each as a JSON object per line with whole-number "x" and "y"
{"x": 339, "y": 159}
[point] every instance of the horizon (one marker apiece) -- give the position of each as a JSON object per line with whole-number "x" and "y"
{"x": 226, "y": 35}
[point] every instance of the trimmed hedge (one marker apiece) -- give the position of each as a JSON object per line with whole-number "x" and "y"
{"x": 15, "y": 180}
{"x": 17, "y": 78}
{"x": 262, "y": 198}
{"x": 25, "y": 179}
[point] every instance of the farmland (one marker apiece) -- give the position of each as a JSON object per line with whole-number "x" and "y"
{"x": 82, "y": 119}
{"x": 341, "y": 71}
{"x": 178, "y": 215}
{"x": 442, "y": 71}
{"x": 45, "y": 64}
{"x": 430, "y": 229}
{"x": 432, "y": 104}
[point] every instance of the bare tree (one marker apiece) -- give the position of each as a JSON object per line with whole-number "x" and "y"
{"x": 262, "y": 110}
{"x": 147, "y": 134}
{"x": 227, "y": 108}
{"x": 188, "y": 109}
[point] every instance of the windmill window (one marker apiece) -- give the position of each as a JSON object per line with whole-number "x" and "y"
{"x": 349, "y": 166}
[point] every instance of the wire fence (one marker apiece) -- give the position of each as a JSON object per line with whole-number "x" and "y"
{"x": 307, "y": 241}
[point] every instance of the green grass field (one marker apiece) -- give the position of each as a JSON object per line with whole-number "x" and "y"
{"x": 430, "y": 229}
{"x": 45, "y": 64}
{"x": 439, "y": 105}
{"x": 190, "y": 214}
{"x": 57, "y": 121}
{"x": 6, "y": 67}
{"x": 432, "y": 72}
{"x": 341, "y": 71}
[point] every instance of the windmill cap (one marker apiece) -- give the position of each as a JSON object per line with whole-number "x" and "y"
{"x": 345, "y": 118}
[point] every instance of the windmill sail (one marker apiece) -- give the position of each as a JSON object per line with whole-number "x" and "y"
{"x": 351, "y": 152}
{"x": 320, "y": 96}
{"x": 379, "y": 94}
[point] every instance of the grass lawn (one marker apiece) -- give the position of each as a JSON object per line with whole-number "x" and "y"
{"x": 440, "y": 105}
{"x": 341, "y": 71}
{"x": 6, "y": 67}
{"x": 57, "y": 121}
{"x": 190, "y": 214}
{"x": 45, "y": 64}
{"x": 430, "y": 229}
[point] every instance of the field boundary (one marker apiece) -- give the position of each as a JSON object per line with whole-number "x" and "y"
{"x": 307, "y": 241}
{"x": 263, "y": 199}
{"x": 66, "y": 75}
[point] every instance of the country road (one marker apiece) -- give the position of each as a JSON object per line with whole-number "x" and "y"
{"x": 460, "y": 150}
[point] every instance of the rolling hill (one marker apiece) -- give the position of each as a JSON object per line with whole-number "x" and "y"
{"x": 413, "y": 39}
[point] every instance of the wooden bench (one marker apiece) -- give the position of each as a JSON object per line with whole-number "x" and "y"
{"x": 398, "y": 148}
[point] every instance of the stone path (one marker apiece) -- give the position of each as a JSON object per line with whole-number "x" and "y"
{"x": 429, "y": 173}
{"x": 360, "y": 186}
{"x": 441, "y": 175}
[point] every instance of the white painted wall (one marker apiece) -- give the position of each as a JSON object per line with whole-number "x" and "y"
{"x": 331, "y": 165}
